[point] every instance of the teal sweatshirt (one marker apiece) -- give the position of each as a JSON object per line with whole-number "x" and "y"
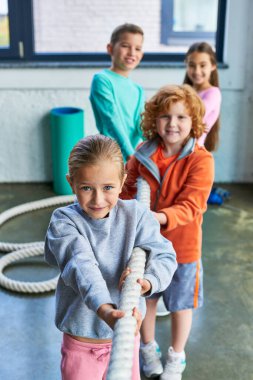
{"x": 117, "y": 103}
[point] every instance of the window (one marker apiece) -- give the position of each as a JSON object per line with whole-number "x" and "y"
{"x": 4, "y": 25}
{"x": 188, "y": 21}
{"x": 185, "y": 22}
{"x": 8, "y": 30}
{"x": 78, "y": 30}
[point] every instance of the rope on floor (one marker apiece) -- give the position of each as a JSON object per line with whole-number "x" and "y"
{"x": 20, "y": 251}
{"x": 121, "y": 360}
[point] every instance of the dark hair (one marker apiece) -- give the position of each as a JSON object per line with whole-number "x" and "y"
{"x": 212, "y": 138}
{"x": 162, "y": 101}
{"x": 92, "y": 150}
{"x": 125, "y": 28}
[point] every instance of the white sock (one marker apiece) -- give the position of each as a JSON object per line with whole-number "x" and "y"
{"x": 145, "y": 345}
{"x": 175, "y": 354}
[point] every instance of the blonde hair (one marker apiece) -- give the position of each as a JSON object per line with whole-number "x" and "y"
{"x": 93, "y": 149}
{"x": 212, "y": 139}
{"x": 161, "y": 102}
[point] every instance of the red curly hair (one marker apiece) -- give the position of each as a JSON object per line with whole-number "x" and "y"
{"x": 161, "y": 102}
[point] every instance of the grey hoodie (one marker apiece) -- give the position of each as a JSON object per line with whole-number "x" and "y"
{"x": 92, "y": 254}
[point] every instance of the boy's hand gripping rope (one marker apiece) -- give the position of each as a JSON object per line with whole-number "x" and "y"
{"x": 121, "y": 361}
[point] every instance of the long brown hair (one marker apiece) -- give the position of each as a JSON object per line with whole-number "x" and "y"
{"x": 212, "y": 139}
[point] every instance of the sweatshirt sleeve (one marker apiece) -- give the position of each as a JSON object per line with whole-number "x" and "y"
{"x": 139, "y": 111}
{"x": 161, "y": 257}
{"x": 212, "y": 101}
{"x": 71, "y": 252}
{"x": 108, "y": 119}
{"x": 192, "y": 199}
{"x": 130, "y": 186}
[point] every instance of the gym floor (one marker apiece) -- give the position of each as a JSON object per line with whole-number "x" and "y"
{"x": 221, "y": 341}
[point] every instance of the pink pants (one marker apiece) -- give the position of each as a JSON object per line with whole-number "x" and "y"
{"x": 89, "y": 361}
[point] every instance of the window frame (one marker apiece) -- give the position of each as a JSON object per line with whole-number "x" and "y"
{"x": 22, "y": 41}
{"x": 13, "y": 51}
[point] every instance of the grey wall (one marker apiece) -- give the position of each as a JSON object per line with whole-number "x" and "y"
{"x": 28, "y": 94}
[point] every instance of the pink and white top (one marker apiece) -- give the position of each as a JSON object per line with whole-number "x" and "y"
{"x": 212, "y": 100}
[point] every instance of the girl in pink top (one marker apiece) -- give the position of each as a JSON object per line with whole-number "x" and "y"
{"x": 202, "y": 75}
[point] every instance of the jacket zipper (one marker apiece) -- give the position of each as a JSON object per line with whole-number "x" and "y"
{"x": 160, "y": 187}
{"x": 158, "y": 192}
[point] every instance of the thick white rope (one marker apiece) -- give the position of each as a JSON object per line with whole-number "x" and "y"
{"x": 24, "y": 250}
{"x": 21, "y": 286}
{"x": 121, "y": 361}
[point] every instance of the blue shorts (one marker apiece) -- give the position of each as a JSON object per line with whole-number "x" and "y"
{"x": 186, "y": 288}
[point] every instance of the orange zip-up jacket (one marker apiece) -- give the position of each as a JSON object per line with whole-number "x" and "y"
{"x": 181, "y": 194}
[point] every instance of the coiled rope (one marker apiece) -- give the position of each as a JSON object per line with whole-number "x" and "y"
{"x": 20, "y": 251}
{"x": 121, "y": 360}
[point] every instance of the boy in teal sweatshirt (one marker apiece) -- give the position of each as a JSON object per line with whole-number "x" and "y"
{"x": 116, "y": 100}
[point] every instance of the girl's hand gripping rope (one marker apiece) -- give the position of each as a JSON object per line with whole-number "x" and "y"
{"x": 109, "y": 314}
{"x": 145, "y": 284}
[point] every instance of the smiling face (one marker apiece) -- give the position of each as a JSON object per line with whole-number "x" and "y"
{"x": 199, "y": 69}
{"x": 97, "y": 187}
{"x": 174, "y": 127}
{"x": 126, "y": 53}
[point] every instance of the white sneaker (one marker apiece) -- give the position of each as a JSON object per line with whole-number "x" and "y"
{"x": 161, "y": 310}
{"x": 174, "y": 366}
{"x": 151, "y": 363}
